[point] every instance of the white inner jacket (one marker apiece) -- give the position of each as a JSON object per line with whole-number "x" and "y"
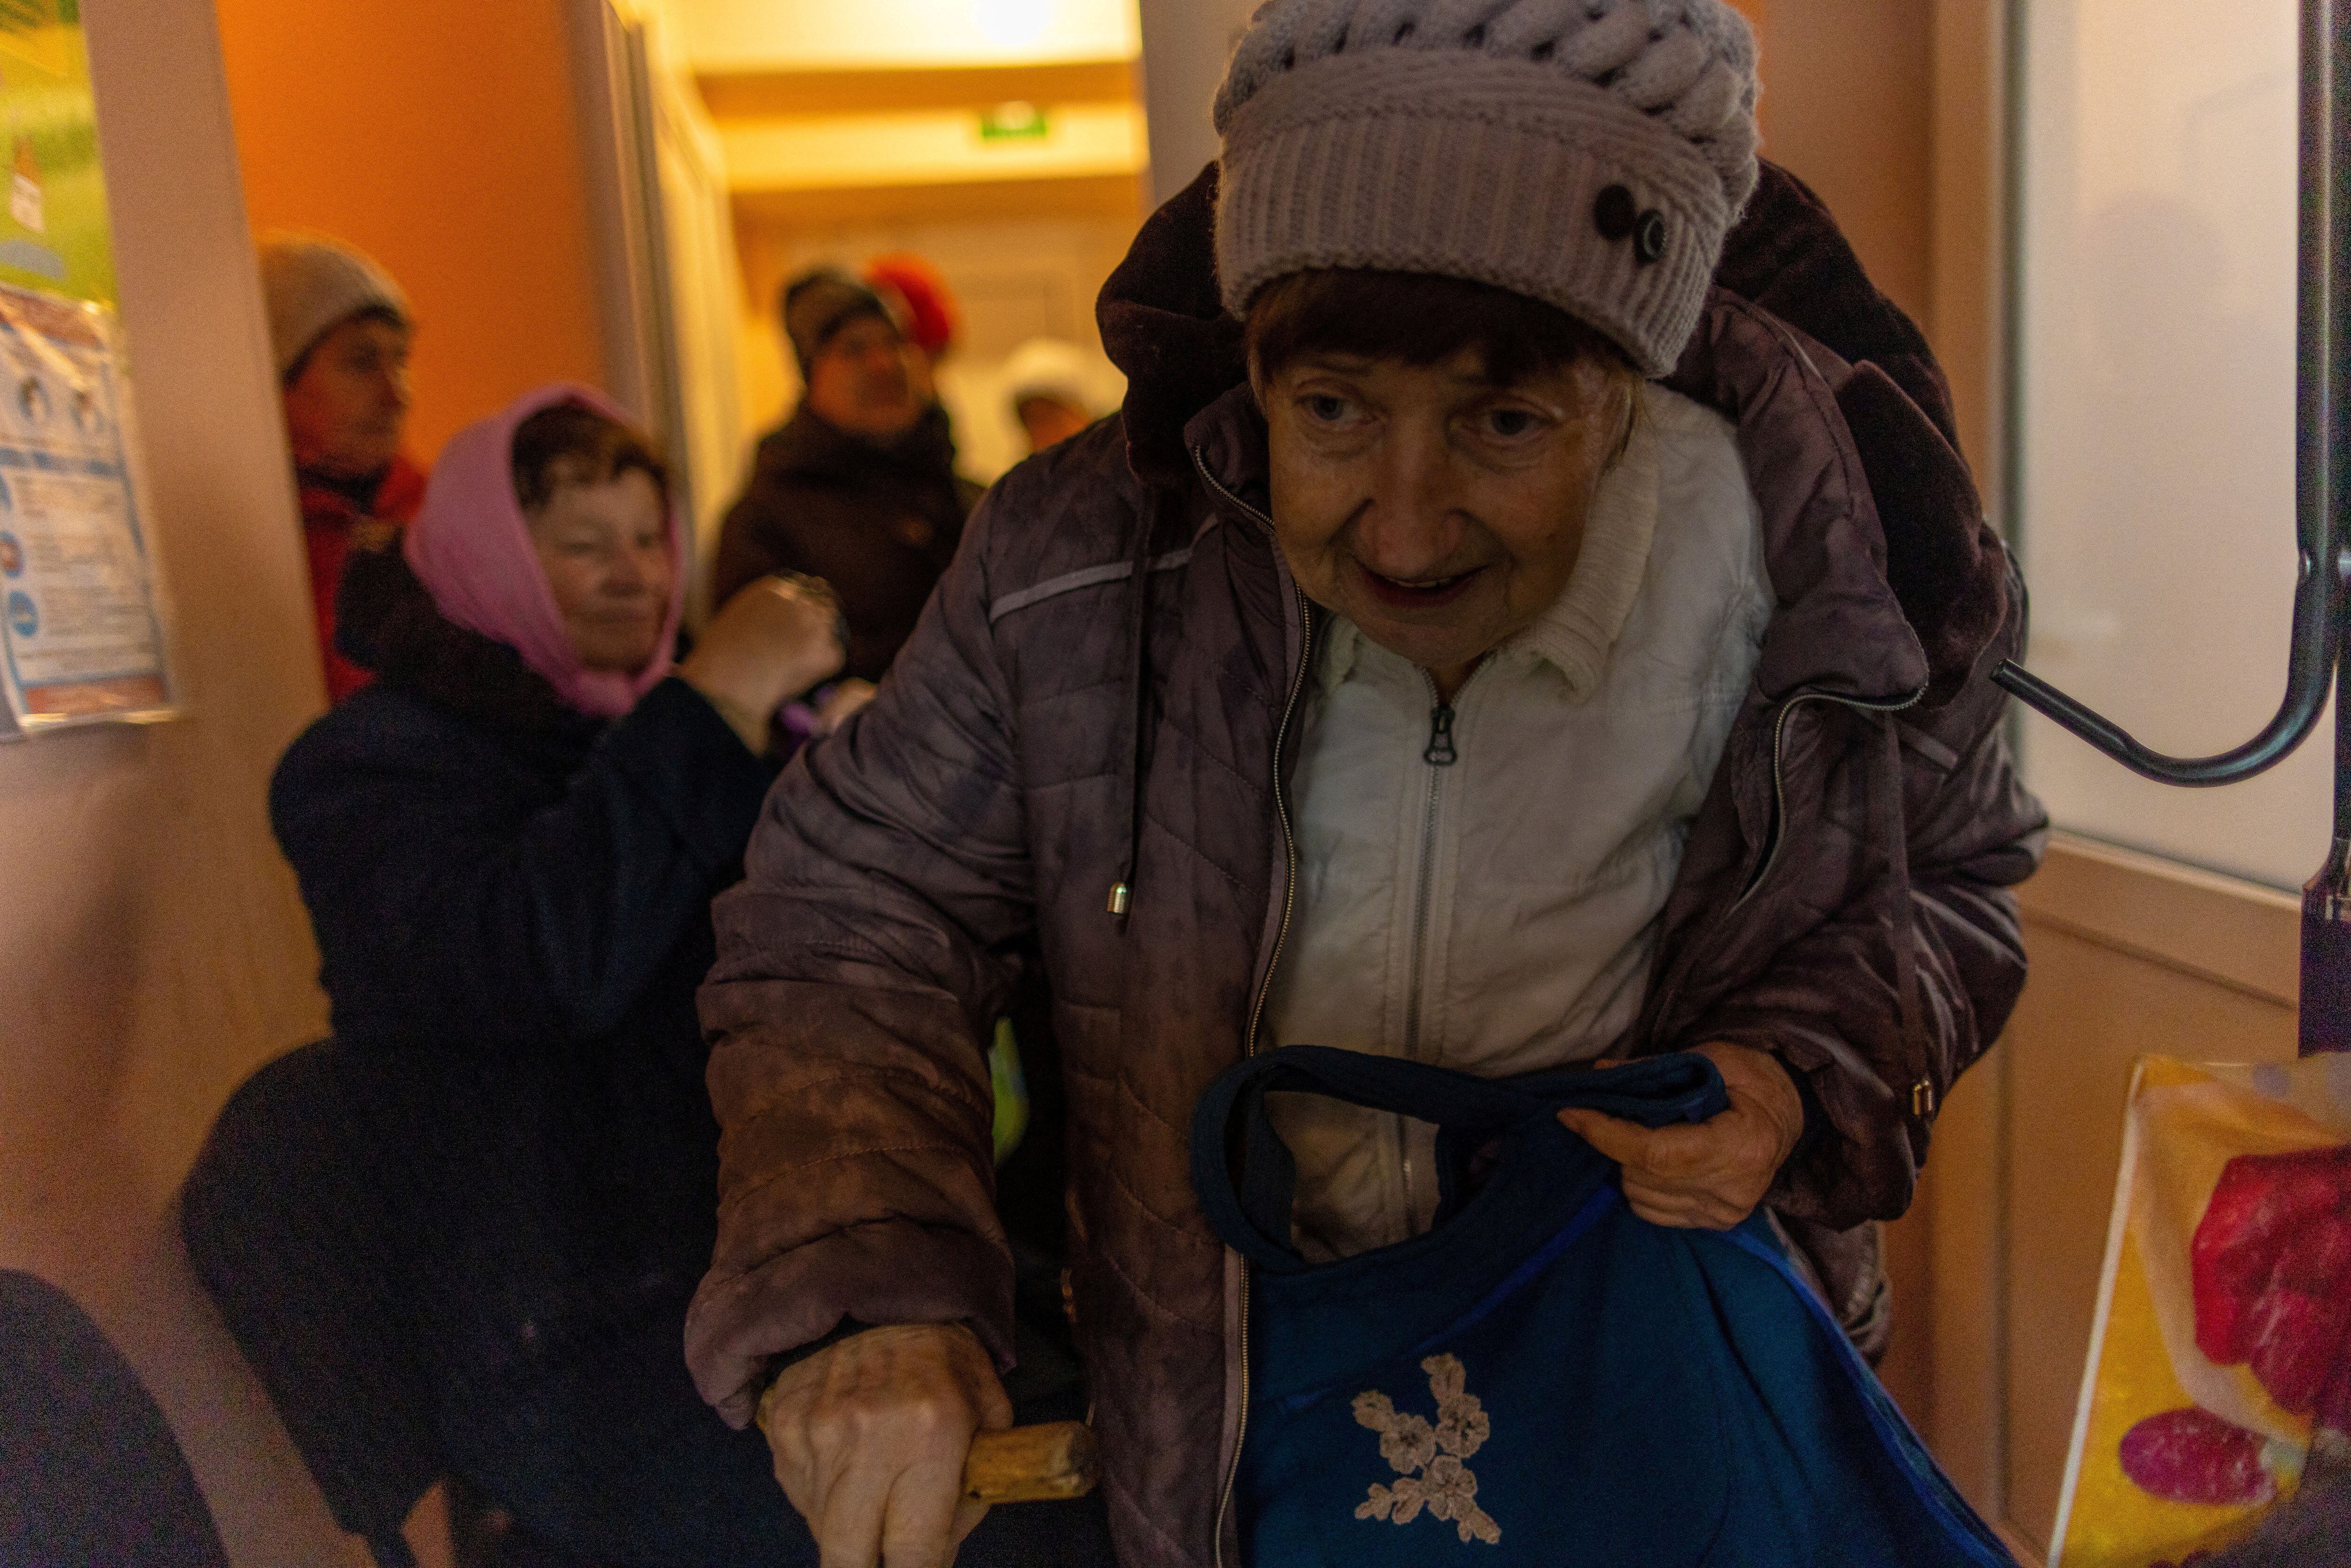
{"x": 1497, "y": 913}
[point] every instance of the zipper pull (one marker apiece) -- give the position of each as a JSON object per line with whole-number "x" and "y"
{"x": 1441, "y": 752}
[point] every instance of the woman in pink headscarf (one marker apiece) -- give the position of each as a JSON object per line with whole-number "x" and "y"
{"x": 457, "y": 1240}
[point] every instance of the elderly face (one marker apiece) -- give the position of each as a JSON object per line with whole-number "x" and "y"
{"x": 866, "y": 380}
{"x": 346, "y": 409}
{"x": 606, "y": 552}
{"x": 1439, "y": 512}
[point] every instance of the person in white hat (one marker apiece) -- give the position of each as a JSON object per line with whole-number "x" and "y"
{"x": 1045, "y": 380}
{"x": 339, "y": 330}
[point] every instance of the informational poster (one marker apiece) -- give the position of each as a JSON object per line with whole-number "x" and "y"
{"x": 2215, "y": 1420}
{"x": 79, "y": 629}
{"x": 81, "y": 637}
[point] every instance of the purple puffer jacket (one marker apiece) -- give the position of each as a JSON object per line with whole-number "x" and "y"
{"x": 1101, "y": 693}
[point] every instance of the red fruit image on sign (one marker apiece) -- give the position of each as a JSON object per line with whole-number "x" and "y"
{"x": 2193, "y": 1456}
{"x": 2270, "y": 1264}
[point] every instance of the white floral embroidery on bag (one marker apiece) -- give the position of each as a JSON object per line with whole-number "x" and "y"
{"x": 1428, "y": 1460}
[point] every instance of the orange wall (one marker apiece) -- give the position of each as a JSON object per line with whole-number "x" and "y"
{"x": 440, "y": 137}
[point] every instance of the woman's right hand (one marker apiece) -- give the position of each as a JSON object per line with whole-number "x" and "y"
{"x": 870, "y": 1437}
{"x": 771, "y": 642}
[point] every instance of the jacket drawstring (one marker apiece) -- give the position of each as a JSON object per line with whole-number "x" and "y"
{"x": 1122, "y": 892}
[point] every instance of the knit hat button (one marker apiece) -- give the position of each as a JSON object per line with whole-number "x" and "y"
{"x": 1649, "y": 237}
{"x": 1614, "y": 214}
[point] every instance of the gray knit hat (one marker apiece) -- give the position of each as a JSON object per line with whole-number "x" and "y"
{"x": 819, "y": 303}
{"x": 1588, "y": 153}
{"x": 312, "y": 285}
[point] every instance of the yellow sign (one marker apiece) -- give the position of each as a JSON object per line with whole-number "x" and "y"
{"x": 55, "y": 234}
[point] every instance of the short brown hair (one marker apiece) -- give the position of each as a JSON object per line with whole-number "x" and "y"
{"x": 571, "y": 443}
{"x": 1421, "y": 318}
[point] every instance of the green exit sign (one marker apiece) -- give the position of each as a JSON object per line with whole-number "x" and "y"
{"x": 1014, "y": 122}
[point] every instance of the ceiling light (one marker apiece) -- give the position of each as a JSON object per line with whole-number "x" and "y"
{"x": 1014, "y": 24}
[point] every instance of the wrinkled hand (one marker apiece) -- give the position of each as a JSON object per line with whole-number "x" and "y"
{"x": 870, "y": 1437}
{"x": 774, "y": 639}
{"x": 1706, "y": 1175}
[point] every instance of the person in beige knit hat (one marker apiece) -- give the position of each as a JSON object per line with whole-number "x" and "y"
{"x": 1530, "y": 612}
{"x": 339, "y": 331}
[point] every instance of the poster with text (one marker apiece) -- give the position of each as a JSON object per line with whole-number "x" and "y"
{"x": 79, "y": 637}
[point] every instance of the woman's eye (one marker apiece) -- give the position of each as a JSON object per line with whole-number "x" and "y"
{"x": 1324, "y": 409}
{"x": 1510, "y": 424}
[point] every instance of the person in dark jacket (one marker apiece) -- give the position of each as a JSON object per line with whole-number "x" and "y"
{"x": 340, "y": 328}
{"x": 1531, "y": 611}
{"x": 859, "y": 487}
{"x": 456, "y": 1241}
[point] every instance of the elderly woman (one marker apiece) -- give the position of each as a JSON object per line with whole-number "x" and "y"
{"x": 1528, "y": 612}
{"x": 457, "y": 1240}
{"x": 340, "y": 328}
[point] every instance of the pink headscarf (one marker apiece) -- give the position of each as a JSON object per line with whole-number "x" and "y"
{"x": 470, "y": 546}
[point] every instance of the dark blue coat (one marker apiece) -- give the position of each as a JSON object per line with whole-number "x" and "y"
{"x": 460, "y": 1237}
{"x": 483, "y": 864}
{"x": 494, "y": 875}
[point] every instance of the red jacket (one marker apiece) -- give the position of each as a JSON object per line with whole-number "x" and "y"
{"x": 330, "y": 514}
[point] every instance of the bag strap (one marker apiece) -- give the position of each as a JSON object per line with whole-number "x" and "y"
{"x": 1230, "y": 1127}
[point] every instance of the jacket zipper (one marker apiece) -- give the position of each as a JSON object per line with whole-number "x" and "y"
{"x": 1778, "y": 776}
{"x": 1440, "y": 753}
{"x": 1273, "y": 961}
{"x": 1776, "y": 837}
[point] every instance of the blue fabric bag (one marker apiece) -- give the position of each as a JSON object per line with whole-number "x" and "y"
{"x": 1543, "y": 1377}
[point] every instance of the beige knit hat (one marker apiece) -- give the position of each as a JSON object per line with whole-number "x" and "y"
{"x": 1588, "y": 153}
{"x": 1050, "y": 367}
{"x": 311, "y": 284}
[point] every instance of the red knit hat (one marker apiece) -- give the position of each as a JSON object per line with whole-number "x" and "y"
{"x": 931, "y": 317}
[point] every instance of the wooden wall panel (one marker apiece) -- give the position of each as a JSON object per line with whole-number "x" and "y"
{"x": 2131, "y": 955}
{"x": 2090, "y": 1010}
{"x": 153, "y": 948}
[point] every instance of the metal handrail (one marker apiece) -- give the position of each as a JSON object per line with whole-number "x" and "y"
{"x": 2322, "y": 465}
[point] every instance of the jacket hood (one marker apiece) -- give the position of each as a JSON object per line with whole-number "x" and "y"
{"x": 471, "y": 547}
{"x": 1164, "y": 323}
{"x": 1919, "y": 549}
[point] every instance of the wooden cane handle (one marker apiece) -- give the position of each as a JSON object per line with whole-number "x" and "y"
{"x": 1019, "y": 1463}
{"x": 1030, "y": 1464}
